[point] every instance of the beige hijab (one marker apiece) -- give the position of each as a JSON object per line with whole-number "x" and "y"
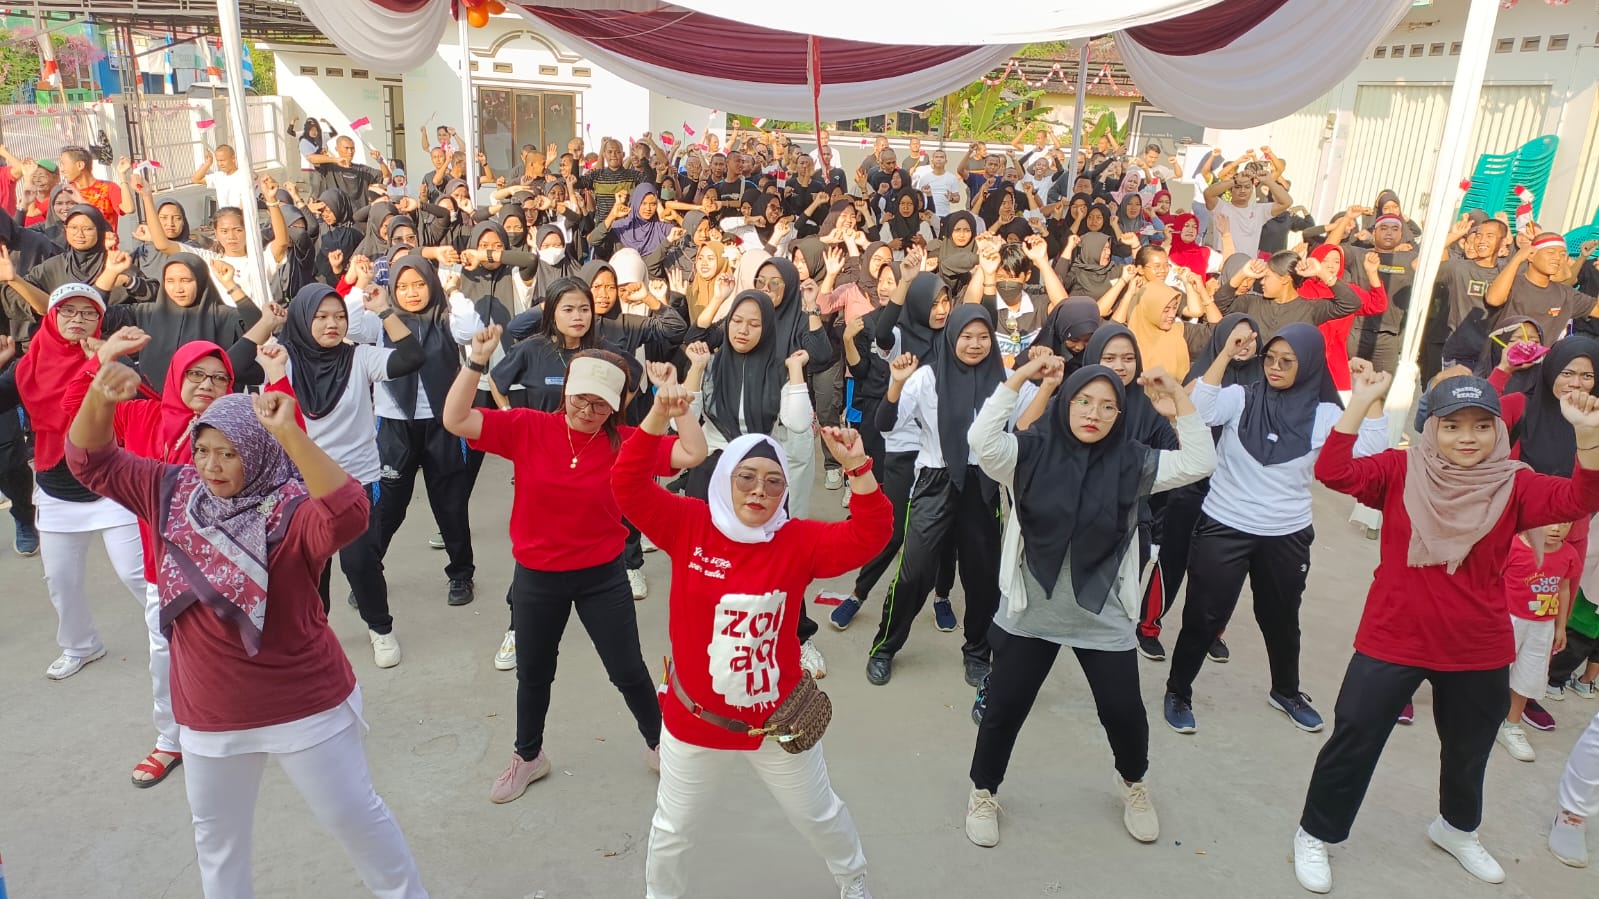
{"x": 1451, "y": 508}
{"x": 1165, "y": 348}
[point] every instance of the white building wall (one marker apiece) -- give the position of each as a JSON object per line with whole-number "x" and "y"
{"x": 510, "y": 52}
{"x": 1397, "y": 102}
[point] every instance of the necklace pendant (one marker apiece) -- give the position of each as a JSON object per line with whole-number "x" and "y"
{"x": 574, "y": 462}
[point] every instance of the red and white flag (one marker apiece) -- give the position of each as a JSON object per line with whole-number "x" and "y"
{"x": 361, "y": 123}
{"x": 688, "y": 129}
{"x": 760, "y": 123}
{"x": 205, "y": 124}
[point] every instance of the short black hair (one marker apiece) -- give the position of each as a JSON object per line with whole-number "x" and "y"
{"x": 1013, "y": 259}
{"x": 1155, "y": 146}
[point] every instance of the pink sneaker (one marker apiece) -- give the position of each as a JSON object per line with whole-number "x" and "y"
{"x": 514, "y": 780}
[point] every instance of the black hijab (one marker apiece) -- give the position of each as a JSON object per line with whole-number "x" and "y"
{"x": 962, "y": 389}
{"x": 318, "y": 374}
{"x": 492, "y": 291}
{"x": 170, "y": 326}
{"x": 815, "y": 255}
{"x": 1139, "y": 419}
{"x": 183, "y": 236}
{"x": 342, "y": 235}
{"x": 431, "y": 326}
{"x": 1089, "y": 277}
{"x": 792, "y": 322}
{"x": 751, "y": 381}
{"x": 916, "y": 336}
{"x": 1074, "y": 317}
{"x": 901, "y": 227}
{"x": 84, "y": 266}
{"x": 518, "y": 239}
{"x": 955, "y": 263}
{"x": 1548, "y": 442}
{"x": 1277, "y": 424}
{"x": 1080, "y": 500}
{"x": 549, "y": 273}
{"x": 587, "y": 274}
{"x": 1250, "y": 371}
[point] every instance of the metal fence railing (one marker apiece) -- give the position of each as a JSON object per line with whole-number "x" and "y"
{"x": 32, "y": 131}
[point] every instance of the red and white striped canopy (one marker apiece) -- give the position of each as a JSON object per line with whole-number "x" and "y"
{"x": 1223, "y": 63}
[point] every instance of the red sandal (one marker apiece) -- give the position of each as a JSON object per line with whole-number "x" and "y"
{"x": 151, "y": 765}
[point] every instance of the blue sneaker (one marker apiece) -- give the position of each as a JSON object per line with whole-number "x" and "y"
{"x": 1180, "y": 714}
{"x": 1297, "y": 708}
{"x": 27, "y": 542}
{"x": 943, "y": 615}
{"x": 845, "y": 613}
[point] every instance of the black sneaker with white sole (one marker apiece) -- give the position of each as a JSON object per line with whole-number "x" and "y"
{"x": 1150, "y": 648}
{"x": 1219, "y": 653}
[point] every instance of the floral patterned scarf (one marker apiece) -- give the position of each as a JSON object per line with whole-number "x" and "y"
{"x": 217, "y": 548}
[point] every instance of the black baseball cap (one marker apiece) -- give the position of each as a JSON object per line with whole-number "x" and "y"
{"x": 1462, "y": 392}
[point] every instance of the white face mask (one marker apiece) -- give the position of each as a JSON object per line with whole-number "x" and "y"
{"x": 552, "y": 255}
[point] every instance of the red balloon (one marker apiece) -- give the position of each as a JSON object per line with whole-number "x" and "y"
{"x": 477, "y": 16}
{"x": 496, "y": 7}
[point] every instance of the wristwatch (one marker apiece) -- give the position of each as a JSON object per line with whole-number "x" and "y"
{"x": 385, "y": 313}
{"x": 479, "y": 367}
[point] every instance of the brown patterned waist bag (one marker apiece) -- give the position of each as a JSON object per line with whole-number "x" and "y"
{"x": 797, "y": 723}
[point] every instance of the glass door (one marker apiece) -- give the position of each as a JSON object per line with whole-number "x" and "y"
{"x": 511, "y": 118}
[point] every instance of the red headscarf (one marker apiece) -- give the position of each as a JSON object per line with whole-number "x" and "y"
{"x": 1313, "y": 288}
{"x": 159, "y": 428}
{"x": 1154, "y": 201}
{"x": 1192, "y": 256}
{"x": 42, "y": 375}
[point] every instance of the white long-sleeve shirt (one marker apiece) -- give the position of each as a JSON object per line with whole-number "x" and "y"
{"x": 1268, "y": 500}
{"x": 995, "y": 448}
{"x": 918, "y": 415}
{"x": 366, "y": 327}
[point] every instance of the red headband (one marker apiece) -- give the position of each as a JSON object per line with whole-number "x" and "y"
{"x": 1548, "y": 239}
{"x": 1389, "y": 217}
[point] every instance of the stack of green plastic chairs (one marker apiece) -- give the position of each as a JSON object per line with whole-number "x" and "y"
{"x": 1494, "y": 182}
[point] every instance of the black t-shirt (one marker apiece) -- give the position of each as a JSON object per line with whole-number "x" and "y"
{"x": 533, "y": 374}
{"x": 1396, "y": 271}
{"x": 351, "y": 180}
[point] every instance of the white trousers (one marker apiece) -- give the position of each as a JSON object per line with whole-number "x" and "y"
{"x": 166, "y": 728}
{"x": 1579, "y": 786}
{"x": 64, "y": 555}
{"x": 798, "y": 782}
{"x": 333, "y": 778}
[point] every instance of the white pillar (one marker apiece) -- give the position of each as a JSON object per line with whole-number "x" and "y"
{"x": 239, "y": 118}
{"x": 468, "y": 108}
{"x": 1475, "y": 47}
{"x": 1077, "y": 112}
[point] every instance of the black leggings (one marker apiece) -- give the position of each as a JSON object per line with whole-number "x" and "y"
{"x": 362, "y": 564}
{"x": 941, "y": 522}
{"x": 1276, "y": 567}
{"x": 541, "y": 603}
{"x": 1020, "y": 666}
{"x": 899, "y": 474}
{"x": 1467, "y": 708}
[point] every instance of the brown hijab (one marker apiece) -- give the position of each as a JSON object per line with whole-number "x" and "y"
{"x": 1451, "y": 508}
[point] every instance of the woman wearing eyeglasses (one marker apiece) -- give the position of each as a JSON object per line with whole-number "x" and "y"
{"x": 160, "y": 427}
{"x": 567, "y": 535}
{"x": 740, "y": 570}
{"x": 1256, "y": 520}
{"x": 70, "y": 515}
{"x": 1069, "y": 568}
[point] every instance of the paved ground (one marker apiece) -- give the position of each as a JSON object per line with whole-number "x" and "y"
{"x": 442, "y": 723}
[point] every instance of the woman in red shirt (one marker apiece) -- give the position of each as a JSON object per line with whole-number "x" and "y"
{"x": 246, "y": 530}
{"x": 740, "y": 568}
{"x": 1436, "y": 609}
{"x": 567, "y": 534}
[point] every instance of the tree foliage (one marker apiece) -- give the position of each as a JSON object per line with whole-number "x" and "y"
{"x": 981, "y": 111}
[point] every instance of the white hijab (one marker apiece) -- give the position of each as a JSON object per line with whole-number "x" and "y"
{"x": 721, "y": 493}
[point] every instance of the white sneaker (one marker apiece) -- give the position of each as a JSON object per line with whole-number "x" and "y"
{"x": 436, "y": 541}
{"x": 982, "y": 818}
{"x": 1467, "y": 850}
{"x": 66, "y": 666}
{"x": 635, "y": 579}
{"x": 1138, "y": 813}
{"x": 1514, "y": 739}
{"x": 1552, "y": 691}
{"x": 811, "y": 660}
{"x": 1310, "y": 863}
{"x": 505, "y": 659}
{"x": 855, "y": 889}
{"x": 385, "y": 649}
{"x": 835, "y": 478}
{"x": 1568, "y": 840}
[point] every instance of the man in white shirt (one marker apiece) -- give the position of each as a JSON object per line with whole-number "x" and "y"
{"x": 1246, "y": 217}
{"x": 231, "y": 186}
{"x": 942, "y": 187}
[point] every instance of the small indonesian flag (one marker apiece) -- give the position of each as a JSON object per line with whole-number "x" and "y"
{"x": 361, "y": 123}
{"x": 667, "y": 140}
{"x": 1524, "y": 200}
{"x": 688, "y": 129}
{"x": 204, "y": 124}
{"x": 760, "y": 123}
{"x": 51, "y": 74}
